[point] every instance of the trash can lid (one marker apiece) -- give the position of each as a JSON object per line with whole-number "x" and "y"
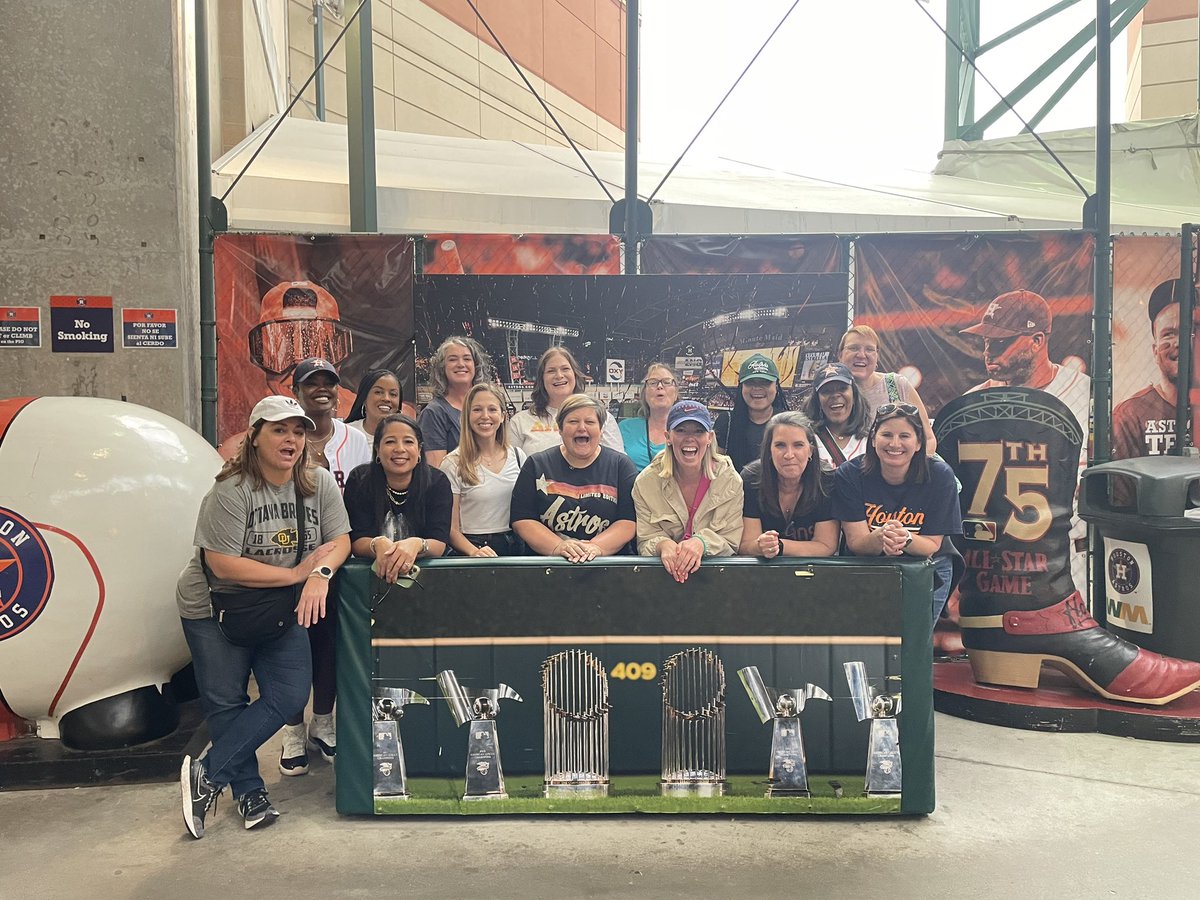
{"x": 1145, "y": 486}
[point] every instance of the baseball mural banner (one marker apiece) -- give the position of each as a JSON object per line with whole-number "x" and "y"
{"x": 284, "y": 298}
{"x": 1146, "y": 334}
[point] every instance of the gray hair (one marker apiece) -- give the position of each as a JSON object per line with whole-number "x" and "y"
{"x": 437, "y": 363}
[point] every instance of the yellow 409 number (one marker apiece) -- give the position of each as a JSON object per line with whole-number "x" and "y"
{"x": 635, "y": 671}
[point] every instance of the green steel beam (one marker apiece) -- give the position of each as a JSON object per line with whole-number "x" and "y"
{"x": 962, "y": 24}
{"x": 1082, "y": 66}
{"x": 1025, "y": 26}
{"x": 360, "y": 122}
{"x": 1080, "y": 39}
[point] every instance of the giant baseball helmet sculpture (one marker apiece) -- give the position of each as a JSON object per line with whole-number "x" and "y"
{"x": 98, "y": 504}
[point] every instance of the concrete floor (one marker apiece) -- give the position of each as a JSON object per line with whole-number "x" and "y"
{"x": 1019, "y": 814}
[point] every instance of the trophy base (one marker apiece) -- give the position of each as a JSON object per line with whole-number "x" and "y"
{"x": 579, "y": 790}
{"x": 693, "y": 788}
{"x": 499, "y": 795}
{"x": 786, "y": 792}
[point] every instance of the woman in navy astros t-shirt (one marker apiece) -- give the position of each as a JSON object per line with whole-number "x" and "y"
{"x": 575, "y": 500}
{"x": 897, "y": 501}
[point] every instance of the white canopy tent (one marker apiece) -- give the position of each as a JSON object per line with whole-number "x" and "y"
{"x": 428, "y": 183}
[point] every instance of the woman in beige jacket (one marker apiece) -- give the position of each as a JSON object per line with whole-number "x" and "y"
{"x": 689, "y": 499}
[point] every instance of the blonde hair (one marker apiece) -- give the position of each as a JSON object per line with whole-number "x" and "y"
{"x": 643, "y": 406}
{"x": 577, "y": 401}
{"x": 666, "y": 468}
{"x": 468, "y": 444}
{"x": 863, "y": 331}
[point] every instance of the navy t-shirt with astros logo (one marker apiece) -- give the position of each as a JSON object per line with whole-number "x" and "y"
{"x": 930, "y": 508}
{"x": 575, "y": 503}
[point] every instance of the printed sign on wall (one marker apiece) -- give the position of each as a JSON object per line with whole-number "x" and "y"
{"x": 81, "y": 324}
{"x": 153, "y": 328}
{"x": 20, "y": 326}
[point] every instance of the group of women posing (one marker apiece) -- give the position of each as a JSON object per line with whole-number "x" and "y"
{"x": 559, "y": 479}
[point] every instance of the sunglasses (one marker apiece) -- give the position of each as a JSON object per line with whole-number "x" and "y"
{"x": 383, "y": 588}
{"x": 891, "y": 409}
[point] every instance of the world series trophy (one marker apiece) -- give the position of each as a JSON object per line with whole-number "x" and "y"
{"x": 387, "y": 708}
{"x": 693, "y": 725}
{"x": 485, "y": 778}
{"x": 884, "y": 776}
{"x": 575, "y": 709}
{"x": 788, "y": 773}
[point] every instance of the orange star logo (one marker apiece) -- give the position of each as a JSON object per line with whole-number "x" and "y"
{"x": 5, "y": 563}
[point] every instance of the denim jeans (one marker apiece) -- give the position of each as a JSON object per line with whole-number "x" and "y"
{"x": 943, "y": 567}
{"x": 283, "y": 670}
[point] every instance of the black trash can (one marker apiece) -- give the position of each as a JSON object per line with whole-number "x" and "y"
{"x": 1148, "y": 514}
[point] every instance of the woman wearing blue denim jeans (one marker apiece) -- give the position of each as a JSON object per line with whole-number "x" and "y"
{"x": 897, "y": 500}
{"x": 248, "y": 537}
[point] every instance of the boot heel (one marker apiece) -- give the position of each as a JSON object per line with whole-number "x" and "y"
{"x": 1009, "y": 669}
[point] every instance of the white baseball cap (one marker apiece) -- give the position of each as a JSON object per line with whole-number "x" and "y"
{"x": 277, "y": 408}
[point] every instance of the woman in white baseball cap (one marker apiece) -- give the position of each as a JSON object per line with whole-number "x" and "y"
{"x": 259, "y": 577}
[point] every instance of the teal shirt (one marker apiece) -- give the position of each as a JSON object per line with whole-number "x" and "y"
{"x": 636, "y": 435}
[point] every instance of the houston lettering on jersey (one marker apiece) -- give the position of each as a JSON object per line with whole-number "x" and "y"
{"x": 910, "y": 519}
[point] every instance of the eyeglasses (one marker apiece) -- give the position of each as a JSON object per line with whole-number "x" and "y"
{"x": 890, "y": 409}
{"x": 660, "y": 382}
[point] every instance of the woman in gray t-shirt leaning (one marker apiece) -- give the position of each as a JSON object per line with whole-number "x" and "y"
{"x": 249, "y": 538}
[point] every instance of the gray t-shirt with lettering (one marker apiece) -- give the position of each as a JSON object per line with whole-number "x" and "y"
{"x": 237, "y": 519}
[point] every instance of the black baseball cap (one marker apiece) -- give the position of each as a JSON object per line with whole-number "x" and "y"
{"x": 310, "y": 367}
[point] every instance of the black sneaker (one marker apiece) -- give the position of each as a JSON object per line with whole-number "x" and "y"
{"x": 198, "y": 793}
{"x": 293, "y": 758}
{"x": 256, "y": 808}
{"x": 327, "y": 751}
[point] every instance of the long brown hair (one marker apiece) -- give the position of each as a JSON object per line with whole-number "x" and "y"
{"x": 244, "y": 464}
{"x": 812, "y": 486}
{"x": 468, "y": 445}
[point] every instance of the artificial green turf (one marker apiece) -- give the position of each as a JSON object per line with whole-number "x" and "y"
{"x": 635, "y": 794}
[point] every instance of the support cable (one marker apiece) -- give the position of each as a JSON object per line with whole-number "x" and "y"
{"x": 295, "y": 100}
{"x": 654, "y": 193}
{"x": 1003, "y": 99}
{"x": 545, "y": 106}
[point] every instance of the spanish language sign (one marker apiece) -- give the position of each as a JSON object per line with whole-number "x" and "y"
{"x": 152, "y": 328}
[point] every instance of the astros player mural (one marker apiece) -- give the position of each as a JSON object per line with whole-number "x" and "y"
{"x": 1016, "y": 442}
{"x": 97, "y": 498}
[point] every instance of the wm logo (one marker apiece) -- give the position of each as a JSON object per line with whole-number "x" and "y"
{"x": 1127, "y": 612}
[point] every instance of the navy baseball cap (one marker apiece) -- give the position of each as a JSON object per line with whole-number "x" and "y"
{"x": 689, "y": 411}
{"x": 834, "y": 371}
{"x": 310, "y": 367}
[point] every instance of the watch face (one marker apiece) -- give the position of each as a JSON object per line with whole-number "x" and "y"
{"x": 325, "y": 571}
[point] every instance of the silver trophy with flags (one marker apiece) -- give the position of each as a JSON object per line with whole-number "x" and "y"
{"x": 387, "y": 708}
{"x": 884, "y": 775}
{"x": 575, "y": 713}
{"x": 485, "y": 778}
{"x": 788, "y": 773}
{"x": 693, "y": 724}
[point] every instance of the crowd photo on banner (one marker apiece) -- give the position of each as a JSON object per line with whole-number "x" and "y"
{"x": 401, "y": 400}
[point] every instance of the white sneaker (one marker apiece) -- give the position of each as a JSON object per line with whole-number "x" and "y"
{"x": 322, "y": 736}
{"x": 293, "y": 758}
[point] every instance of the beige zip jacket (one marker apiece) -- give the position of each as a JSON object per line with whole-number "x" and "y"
{"x": 662, "y": 514}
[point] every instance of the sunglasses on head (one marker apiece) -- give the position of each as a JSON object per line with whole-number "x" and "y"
{"x": 891, "y": 409}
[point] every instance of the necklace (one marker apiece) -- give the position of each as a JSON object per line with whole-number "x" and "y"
{"x": 397, "y": 497}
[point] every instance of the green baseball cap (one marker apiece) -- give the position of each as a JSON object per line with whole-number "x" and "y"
{"x": 758, "y": 366}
